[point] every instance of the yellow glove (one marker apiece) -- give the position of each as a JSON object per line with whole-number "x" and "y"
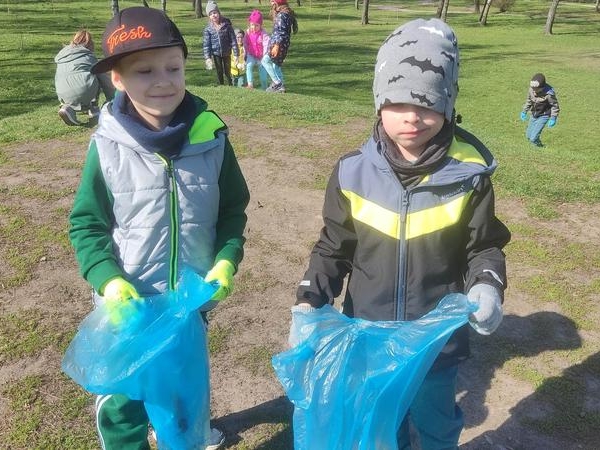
{"x": 118, "y": 294}
{"x": 222, "y": 272}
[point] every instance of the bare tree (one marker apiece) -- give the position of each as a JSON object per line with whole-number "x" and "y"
{"x": 551, "y": 16}
{"x": 365, "y": 13}
{"x": 442, "y": 9}
{"x": 484, "y": 12}
{"x": 477, "y": 5}
{"x": 356, "y": 4}
{"x": 597, "y": 5}
{"x": 198, "y": 8}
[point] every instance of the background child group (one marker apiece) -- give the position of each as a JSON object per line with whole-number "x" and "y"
{"x": 235, "y": 54}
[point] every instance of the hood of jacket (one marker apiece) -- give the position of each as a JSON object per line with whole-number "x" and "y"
{"x": 111, "y": 128}
{"x": 74, "y": 53}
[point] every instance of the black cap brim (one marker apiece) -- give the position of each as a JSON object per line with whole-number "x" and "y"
{"x": 107, "y": 64}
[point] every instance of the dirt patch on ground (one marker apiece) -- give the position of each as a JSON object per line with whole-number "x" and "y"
{"x": 501, "y": 410}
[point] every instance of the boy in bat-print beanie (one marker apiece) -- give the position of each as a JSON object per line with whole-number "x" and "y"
{"x": 409, "y": 218}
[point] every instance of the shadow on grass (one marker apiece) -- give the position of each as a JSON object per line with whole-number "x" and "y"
{"x": 565, "y": 406}
{"x": 277, "y": 412}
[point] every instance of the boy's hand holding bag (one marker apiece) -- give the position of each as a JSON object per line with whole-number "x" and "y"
{"x": 221, "y": 273}
{"x": 122, "y": 300}
{"x": 486, "y": 319}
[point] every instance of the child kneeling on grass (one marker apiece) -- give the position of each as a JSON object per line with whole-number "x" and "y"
{"x": 409, "y": 218}
{"x": 161, "y": 188}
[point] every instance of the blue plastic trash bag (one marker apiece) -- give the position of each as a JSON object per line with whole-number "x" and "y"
{"x": 352, "y": 381}
{"x": 159, "y": 355}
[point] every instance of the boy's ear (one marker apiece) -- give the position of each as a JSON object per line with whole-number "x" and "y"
{"x": 116, "y": 80}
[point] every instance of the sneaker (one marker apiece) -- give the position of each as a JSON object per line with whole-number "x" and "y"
{"x": 68, "y": 115}
{"x": 272, "y": 87}
{"x": 276, "y": 87}
{"x": 215, "y": 440}
{"x": 93, "y": 112}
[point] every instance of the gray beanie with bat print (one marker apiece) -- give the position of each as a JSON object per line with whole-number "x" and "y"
{"x": 418, "y": 64}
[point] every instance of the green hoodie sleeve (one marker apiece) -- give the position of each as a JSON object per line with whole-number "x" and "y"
{"x": 91, "y": 222}
{"x": 234, "y": 198}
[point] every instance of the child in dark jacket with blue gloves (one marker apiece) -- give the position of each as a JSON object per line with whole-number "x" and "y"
{"x": 543, "y": 105}
{"x": 409, "y": 218}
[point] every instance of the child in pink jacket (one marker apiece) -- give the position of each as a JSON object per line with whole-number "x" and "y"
{"x": 256, "y": 43}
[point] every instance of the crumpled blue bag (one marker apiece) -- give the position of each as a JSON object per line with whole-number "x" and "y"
{"x": 159, "y": 355}
{"x": 352, "y": 381}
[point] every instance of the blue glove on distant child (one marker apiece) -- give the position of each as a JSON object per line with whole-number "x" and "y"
{"x": 523, "y": 116}
{"x": 551, "y": 122}
{"x": 488, "y": 316}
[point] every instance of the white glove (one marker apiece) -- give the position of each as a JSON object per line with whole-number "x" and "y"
{"x": 489, "y": 313}
{"x": 296, "y": 336}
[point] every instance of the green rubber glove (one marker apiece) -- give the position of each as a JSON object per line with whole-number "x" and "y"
{"x": 119, "y": 294}
{"x": 222, "y": 273}
{"x": 119, "y": 289}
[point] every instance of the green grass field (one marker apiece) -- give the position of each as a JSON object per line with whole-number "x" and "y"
{"x": 328, "y": 77}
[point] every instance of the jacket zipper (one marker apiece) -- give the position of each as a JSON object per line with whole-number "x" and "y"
{"x": 402, "y": 256}
{"x": 174, "y": 235}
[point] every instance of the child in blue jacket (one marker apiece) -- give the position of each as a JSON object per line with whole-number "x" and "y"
{"x": 219, "y": 44}
{"x": 284, "y": 24}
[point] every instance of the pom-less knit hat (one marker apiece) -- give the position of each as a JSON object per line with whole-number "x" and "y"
{"x": 418, "y": 64}
{"x": 538, "y": 81}
{"x": 210, "y": 7}
{"x": 256, "y": 17}
{"x": 136, "y": 29}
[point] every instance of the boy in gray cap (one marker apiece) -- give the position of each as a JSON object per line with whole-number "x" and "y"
{"x": 219, "y": 44}
{"x": 409, "y": 218}
{"x": 161, "y": 190}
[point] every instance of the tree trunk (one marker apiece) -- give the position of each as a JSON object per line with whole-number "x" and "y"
{"x": 164, "y": 5}
{"x": 356, "y": 4}
{"x": 365, "y": 13}
{"x": 551, "y": 16}
{"x": 478, "y": 6}
{"x": 115, "y": 7}
{"x": 484, "y": 12}
{"x": 597, "y": 5}
{"x": 198, "y": 8}
{"x": 438, "y": 12}
{"x": 445, "y": 10}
